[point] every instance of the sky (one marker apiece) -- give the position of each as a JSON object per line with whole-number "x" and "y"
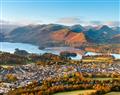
{"x": 61, "y": 11}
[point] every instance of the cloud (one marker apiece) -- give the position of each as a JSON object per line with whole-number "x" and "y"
{"x": 3, "y": 22}
{"x": 69, "y": 20}
{"x": 75, "y": 20}
{"x": 20, "y": 22}
{"x": 109, "y": 23}
{"x": 95, "y": 22}
{"x": 27, "y": 22}
{"x": 113, "y": 23}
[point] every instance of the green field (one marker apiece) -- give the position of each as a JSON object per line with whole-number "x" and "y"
{"x": 102, "y": 79}
{"x": 113, "y": 93}
{"x": 76, "y": 92}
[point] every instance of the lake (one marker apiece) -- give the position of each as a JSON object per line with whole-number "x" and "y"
{"x": 10, "y": 47}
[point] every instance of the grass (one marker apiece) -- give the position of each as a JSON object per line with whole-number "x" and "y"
{"x": 113, "y": 93}
{"x": 6, "y": 66}
{"x": 102, "y": 79}
{"x": 76, "y": 92}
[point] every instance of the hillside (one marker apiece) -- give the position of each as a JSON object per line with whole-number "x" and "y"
{"x": 60, "y": 35}
{"x": 115, "y": 39}
{"x": 102, "y": 34}
{"x": 68, "y": 37}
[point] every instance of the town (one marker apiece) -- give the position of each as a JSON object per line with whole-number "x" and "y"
{"x": 50, "y": 67}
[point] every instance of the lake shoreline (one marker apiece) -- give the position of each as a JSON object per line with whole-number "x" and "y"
{"x": 10, "y": 47}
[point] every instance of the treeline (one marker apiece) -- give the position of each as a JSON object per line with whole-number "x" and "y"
{"x": 67, "y": 83}
{"x": 106, "y": 48}
{"x": 7, "y": 58}
{"x": 12, "y": 59}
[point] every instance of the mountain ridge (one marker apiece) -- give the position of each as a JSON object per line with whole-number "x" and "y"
{"x": 56, "y": 34}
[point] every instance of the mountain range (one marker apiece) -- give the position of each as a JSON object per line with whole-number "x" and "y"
{"x": 60, "y": 35}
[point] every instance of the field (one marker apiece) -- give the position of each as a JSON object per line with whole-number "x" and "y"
{"x": 113, "y": 93}
{"x": 77, "y": 92}
{"x": 102, "y": 79}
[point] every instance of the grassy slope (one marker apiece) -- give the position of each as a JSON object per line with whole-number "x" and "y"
{"x": 113, "y": 93}
{"x": 77, "y": 92}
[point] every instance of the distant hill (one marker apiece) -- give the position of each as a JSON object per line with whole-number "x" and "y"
{"x": 5, "y": 29}
{"x": 102, "y": 34}
{"x": 60, "y": 35}
{"x": 115, "y": 39}
{"x": 1, "y": 37}
{"x": 77, "y": 28}
{"x": 69, "y": 37}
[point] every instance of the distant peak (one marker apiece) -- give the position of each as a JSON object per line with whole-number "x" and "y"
{"x": 77, "y": 28}
{"x": 104, "y": 27}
